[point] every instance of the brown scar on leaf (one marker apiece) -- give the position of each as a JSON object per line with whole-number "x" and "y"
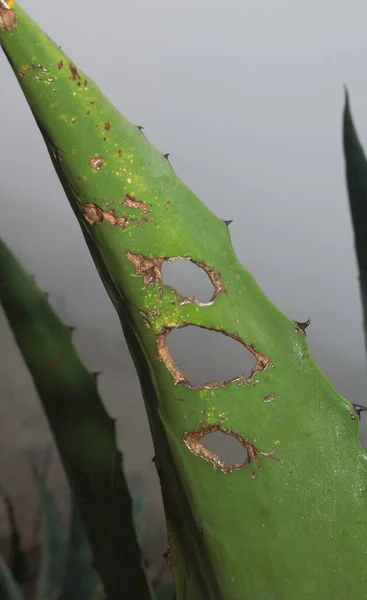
{"x": 95, "y": 216}
{"x": 164, "y": 356}
{"x": 131, "y": 202}
{"x": 96, "y": 163}
{"x": 169, "y": 554}
{"x": 150, "y": 268}
{"x": 192, "y": 440}
{"x": 74, "y": 71}
{"x": 270, "y": 398}
{"x": 8, "y": 17}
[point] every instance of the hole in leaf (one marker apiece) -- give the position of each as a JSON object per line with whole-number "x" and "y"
{"x": 205, "y": 356}
{"x": 226, "y": 446}
{"x": 187, "y": 279}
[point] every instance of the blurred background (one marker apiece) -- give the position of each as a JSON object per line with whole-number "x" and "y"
{"x": 247, "y": 97}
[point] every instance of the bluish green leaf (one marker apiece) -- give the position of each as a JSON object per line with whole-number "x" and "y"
{"x": 52, "y": 566}
{"x": 18, "y": 560}
{"x": 166, "y": 593}
{"x": 9, "y": 589}
{"x": 81, "y": 579}
{"x": 139, "y": 515}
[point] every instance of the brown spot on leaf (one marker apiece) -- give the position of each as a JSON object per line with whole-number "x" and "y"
{"x": 178, "y": 377}
{"x": 95, "y": 216}
{"x": 73, "y": 121}
{"x": 85, "y": 83}
{"x": 60, "y": 64}
{"x": 192, "y": 440}
{"x": 131, "y": 202}
{"x": 119, "y": 152}
{"x": 74, "y": 72}
{"x": 107, "y": 126}
{"x": 96, "y": 163}
{"x": 150, "y": 268}
{"x": 270, "y": 398}
{"x": 8, "y": 18}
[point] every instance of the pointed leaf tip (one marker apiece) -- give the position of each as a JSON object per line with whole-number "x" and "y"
{"x": 227, "y": 223}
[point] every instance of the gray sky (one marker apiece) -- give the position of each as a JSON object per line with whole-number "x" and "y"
{"x": 247, "y": 97}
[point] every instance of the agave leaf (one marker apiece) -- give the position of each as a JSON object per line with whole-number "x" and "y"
{"x": 9, "y": 589}
{"x": 51, "y": 572}
{"x": 287, "y": 522}
{"x": 81, "y": 579}
{"x": 84, "y": 433}
{"x": 356, "y": 176}
{"x": 18, "y": 559}
{"x": 139, "y": 515}
{"x": 166, "y": 593}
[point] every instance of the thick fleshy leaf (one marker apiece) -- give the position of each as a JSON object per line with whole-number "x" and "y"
{"x": 286, "y": 521}
{"x": 83, "y": 431}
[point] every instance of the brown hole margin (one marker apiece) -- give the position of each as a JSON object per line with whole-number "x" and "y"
{"x": 192, "y": 440}
{"x": 147, "y": 266}
{"x": 164, "y": 356}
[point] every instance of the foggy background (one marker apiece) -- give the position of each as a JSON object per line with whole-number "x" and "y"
{"x": 247, "y": 97}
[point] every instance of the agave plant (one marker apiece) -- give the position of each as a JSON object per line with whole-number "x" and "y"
{"x": 287, "y": 522}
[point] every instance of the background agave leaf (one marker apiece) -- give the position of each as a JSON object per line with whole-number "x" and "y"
{"x": 17, "y": 560}
{"x": 83, "y": 431}
{"x": 9, "y": 589}
{"x": 139, "y": 515}
{"x": 81, "y": 579}
{"x": 53, "y": 546}
{"x": 166, "y": 593}
{"x": 356, "y": 176}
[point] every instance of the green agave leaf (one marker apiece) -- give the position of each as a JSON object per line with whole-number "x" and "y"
{"x": 9, "y": 589}
{"x": 53, "y": 548}
{"x": 81, "y": 579}
{"x": 84, "y": 433}
{"x": 356, "y": 176}
{"x": 289, "y": 522}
